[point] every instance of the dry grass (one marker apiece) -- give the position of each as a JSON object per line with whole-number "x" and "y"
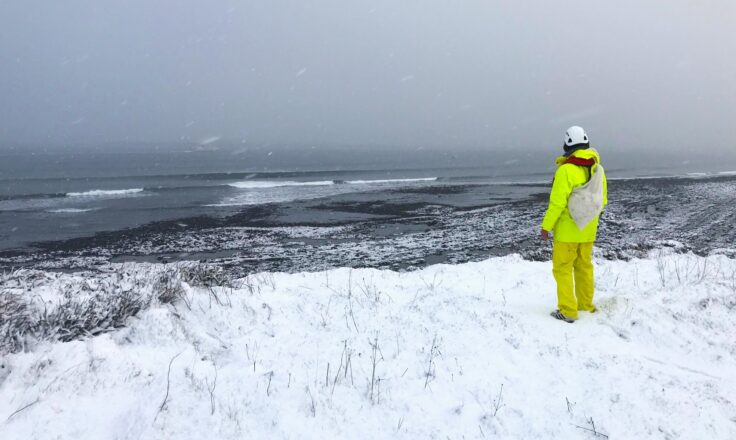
{"x": 91, "y": 305}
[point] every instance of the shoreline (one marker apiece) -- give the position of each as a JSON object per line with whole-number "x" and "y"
{"x": 408, "y": 228}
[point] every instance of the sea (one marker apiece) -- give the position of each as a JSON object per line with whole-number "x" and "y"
{"x": 49, "y": 196}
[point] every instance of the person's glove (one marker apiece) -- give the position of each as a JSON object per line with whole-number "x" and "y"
{"x": 545, "y": 235}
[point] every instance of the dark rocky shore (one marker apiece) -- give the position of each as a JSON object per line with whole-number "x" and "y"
{"x": 409, "y": 228}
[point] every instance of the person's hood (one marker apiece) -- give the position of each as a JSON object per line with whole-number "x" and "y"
{"x": 586, "y": 155}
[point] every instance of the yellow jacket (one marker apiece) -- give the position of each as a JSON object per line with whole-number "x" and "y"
{"x": 567, "y": 177}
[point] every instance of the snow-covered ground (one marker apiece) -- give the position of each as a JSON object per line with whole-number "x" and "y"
{"x": 464, "y": 351}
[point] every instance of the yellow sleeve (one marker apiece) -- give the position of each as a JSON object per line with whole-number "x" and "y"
{"x": 561, "y": 189}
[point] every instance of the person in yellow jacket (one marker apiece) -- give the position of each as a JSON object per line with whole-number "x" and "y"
{"x": 572, "y": 250}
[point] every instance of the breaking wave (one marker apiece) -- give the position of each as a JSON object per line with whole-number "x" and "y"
{"x": 105, "y": 193}
{"x": 420, "y": 179}
{"x": 70, "y": 210}
{"x": 261, "y": 184}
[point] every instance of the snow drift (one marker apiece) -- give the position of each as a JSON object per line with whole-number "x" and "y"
{"x": 447, "y": 351}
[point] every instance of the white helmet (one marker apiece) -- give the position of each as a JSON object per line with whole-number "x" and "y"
{"x": 575, "y": 135}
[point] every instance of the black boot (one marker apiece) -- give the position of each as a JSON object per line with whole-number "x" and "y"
{"x": 558, "y": 315}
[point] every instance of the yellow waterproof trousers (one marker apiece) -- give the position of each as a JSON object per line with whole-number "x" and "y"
{"x": 572, "y": 267}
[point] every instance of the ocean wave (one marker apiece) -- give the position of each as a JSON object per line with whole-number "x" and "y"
{"x": 419, "y": 179}
{"x": 31, "y": 196}
{"x": 260, "y": 184}
{"x": 70, "y": 210}
{"x": 105, "y": 193}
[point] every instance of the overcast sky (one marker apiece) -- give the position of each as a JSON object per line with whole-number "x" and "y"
{"x": 659, "y": 75}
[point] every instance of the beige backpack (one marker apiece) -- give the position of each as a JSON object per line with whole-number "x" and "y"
{"x": 586, "y": 202}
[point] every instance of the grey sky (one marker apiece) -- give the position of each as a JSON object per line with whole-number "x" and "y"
{"x": 454, "y": 74}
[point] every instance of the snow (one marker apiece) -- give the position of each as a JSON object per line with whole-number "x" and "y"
{"x": 210, "y": 140}
{"x": 462, "y": 351}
